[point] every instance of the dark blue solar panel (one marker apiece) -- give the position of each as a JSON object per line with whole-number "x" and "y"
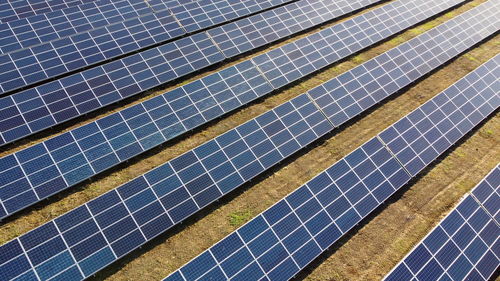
{"x": 119, "y": 221}
{"x": 18, "y": 9}
{"x": 50, "y": 59}
{"x": 47, "y": 27}
{"x": 423, "y": 135}
{"x": 61, "y": 100}
{"x": 106, "y": 228}
{"x": 63, "y": 161}
{"x": 247, "y": 34}
{"x": 305, "y": 56}
{"x": 351, "y": 93}
{"x": 285, "y": 238}
{"x": 468, "y": 251}
{"x": 294, "y": 231}
{"x": 85, "y": 151}
{"x": 199, "y": 15}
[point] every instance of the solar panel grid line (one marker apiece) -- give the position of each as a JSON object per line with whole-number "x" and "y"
{"x": 461, "y": 253}
{"x": 225, "y": 244}
{"x": 468, "y": 210}
{"x": 43, "y": 28}
{"x": 302, "y": 223}
{"x": 73, "y": 180}
{"x": 14, "y": 131}
{"x": 410, "y": 152}
{"x": 489, "y": 202}
{"x": 332, "y": 96}
{"x": 88, "y": 48}
{"x": 241, "y": 36}
{"x": 84, "y": 49}
{"x": 197, "y": 15}
{"x": 97, "y": 214}
{"x": 149, "y": 174}
{"x": 302, "y": 220}
{"x": 116, "y": 136}
{"x": 292, "y": 51}
{"x": 11, "y": 10}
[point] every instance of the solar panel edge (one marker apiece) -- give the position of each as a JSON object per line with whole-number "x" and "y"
{"x": 24, "y": 133}
{"x": 69, "y": 11}
{"x": 437, "y": 226}
{"x": 313, "y": 100}
{"x": 45, "y": 70}
{"x": 178, "y": 275}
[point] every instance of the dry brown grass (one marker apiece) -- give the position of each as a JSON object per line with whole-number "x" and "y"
{"x": 374, "y": 248}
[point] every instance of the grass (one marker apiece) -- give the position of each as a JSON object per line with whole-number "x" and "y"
{"x": 374, "y": 247}
{"x": 238, "y": 218}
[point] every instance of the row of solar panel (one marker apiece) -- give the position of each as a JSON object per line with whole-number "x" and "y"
{"x": 58, "y": 163}
{"x": 465, "y": 245}
{"x": 123, "y": 16}
{"x": 106, "y": 228}
{"x": 285, "y": 238}
{"x": 51, "y": 59}
{"x": 53, "y": 103}
{"x": 20, "y": 9}
{"x": 42, "y": 28}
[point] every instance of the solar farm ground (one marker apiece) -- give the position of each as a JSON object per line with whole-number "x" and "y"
{"x": 372, "y": 248}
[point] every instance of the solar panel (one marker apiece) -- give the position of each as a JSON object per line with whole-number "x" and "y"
{"x": 200, "y": 15}
{"x": 285, "y": 238}
{"x": 463, "y": 246}
{"x": 95, "y": 234}
{"x": 302, "y": 57}
{"x": 172, "y": 191}
{"x": 43, "y": 28}
{"x": 247, "y": 34}
{"x": 74, "y": 156}
{"x": 351, "y": 93}
{"x": 18, "y": 9}
{"x": 33, "y": 110}
{"x": 51, "y": 59}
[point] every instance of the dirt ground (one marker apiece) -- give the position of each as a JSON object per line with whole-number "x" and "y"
{"x": 373, "y": 248}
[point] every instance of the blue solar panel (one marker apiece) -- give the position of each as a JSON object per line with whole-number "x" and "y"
{"x": 465, "y": 245}
{"x": 95, "y": 234}
{"x": 47, "y": 27}
{"x": 51, "y": 59}
{"x": 305, "y": 56}
{"x": 129, "y": 132}
{"x": 203, "y": 14}
{"x": 285, "y": 238}
{"x": 18, "y": 9}
{"x": 115, "y": 223}
{"x": 247, "y": 34}
{"x": 53, "y": 103}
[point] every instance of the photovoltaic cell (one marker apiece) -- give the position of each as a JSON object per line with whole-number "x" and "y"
{"x": 51, "y": 59}
{"x": 170, "y": 119}
{"x": 34, "y": 115}
{"x": 18, "y": 9}
{"x": 304, "y": 56}
{"x": 30, "y": 31}
{"x": 463, "y": 246}
{"x": 119, "y": 221}
{"x": 106, "y": 228}
{"x": 70, "y": 97}
{"x": 285, "y": 238}
{"x": 351, "y": 93}
{"x": 199, "y": 15}
{"x": 83, "y": 152}
{"x": 253, "y": 32}
{"x": 426, "y": 133}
